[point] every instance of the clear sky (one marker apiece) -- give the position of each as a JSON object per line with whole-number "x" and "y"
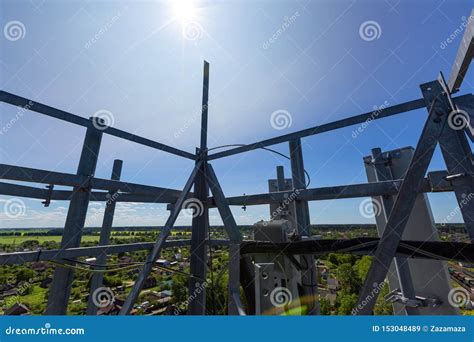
{"x": 142, "y": 62}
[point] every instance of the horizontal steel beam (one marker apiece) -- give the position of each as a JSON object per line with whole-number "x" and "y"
{"x": 369, "y": 116}
{"x": 17, "y": 258}
{"x": 24, "y": 174}
{"x": 434, "y": 250}
{"x": 434, "y": 183}
{"x": 78, "y": 120}
{"x": 464, "y": 56}
{"x": 17, "y": 190}
{"x": 333, "y": 192}
{"x": 373, "y": 115}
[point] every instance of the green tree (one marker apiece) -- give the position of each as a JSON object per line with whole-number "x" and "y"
{"x": 382, "y": 307}
{"x": 347, "y": 303}
{"x": 24, "y": 274}
{"x": 325, "y": 306}
{"x": 362, "y": 266}
{"x": 348, "y": 279}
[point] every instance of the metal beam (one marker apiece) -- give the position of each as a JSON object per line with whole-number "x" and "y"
{"x": 354, "y": 120}
{"x": 457, "y": 156}
{"x": 25, "y": 174}
{"x": 454, "y": 251}
{"x": 97, "y": 278}
{"x": 308, "y": 276}
{"x": 335, "y": 192}
{"x": 18, "y": 258}
{"x": 406, "y": 198}
{"x": 235, "y": 237}
{"x": 158, "y": 246}
{"x": 464, "y": 56}
{"x": 200, "y": 222}
{"x": 429, "y": 250}
{"x": 221, "y": 202}
{"x": 78, "y": 120}
{"x": 60, "y": 288}
{"x": 383, "y": 173}
{"x": 315, "y": 194}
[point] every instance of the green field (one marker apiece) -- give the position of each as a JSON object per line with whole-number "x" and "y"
{"x": 10, "y": 240}
{"x": 16, "y": 240}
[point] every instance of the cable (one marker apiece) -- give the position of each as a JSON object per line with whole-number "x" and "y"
{"x": 127, "y": 266}
{"x": 89, "y": 269}
{"x": 266, "y": 149}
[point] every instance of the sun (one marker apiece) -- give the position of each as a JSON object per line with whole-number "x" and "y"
{"x": 183, "y": 10}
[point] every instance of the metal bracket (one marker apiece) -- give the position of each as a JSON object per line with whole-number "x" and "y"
{"x": 47, "y": 200}
{"x": 458, "y": 175}
{"x": 419, "y": 301}
{"x": 385, "y": 158}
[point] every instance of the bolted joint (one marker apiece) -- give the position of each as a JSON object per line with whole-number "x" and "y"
{"x": 201, "y": 154}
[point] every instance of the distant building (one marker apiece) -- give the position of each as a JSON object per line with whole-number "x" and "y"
{"x": 11, "y": 292}
{"x": 18, "y": 309}
{"x": 162, "y": 262}
{"x": 39, "y": 266}
{"x": 165, "y": 293}
{"x": 125, "y": 259}
{"x": 333, "y": 284}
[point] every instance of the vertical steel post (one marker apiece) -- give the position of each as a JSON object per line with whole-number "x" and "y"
{"x": 382, "y": 173}
{"x": 389, "y": 241}
{"x": 456, "y": 153}
{"x": 97, "y": 278}
{"x": 200, "y": 224}
{"x": 280, "y": 178}
{"x": 60, "y": 288}
{"x": 308, "y": 276}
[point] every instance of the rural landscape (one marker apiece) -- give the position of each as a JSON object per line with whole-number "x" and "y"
{"x": 165, "y": 292}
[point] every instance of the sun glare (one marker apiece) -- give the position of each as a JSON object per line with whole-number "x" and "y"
{"x": 183, "y": 10}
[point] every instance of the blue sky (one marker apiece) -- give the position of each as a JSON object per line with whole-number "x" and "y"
{"x": 142, "y": 62}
